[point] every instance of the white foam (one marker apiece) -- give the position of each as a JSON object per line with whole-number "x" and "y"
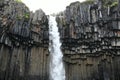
{"x": 57, "y": 71}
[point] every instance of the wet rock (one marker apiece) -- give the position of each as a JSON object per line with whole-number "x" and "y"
{"x": 39, "y": 17}
{"x": 21, "y": 42}
{"x": 90, "y": 39}
{"x": 89, "y": 32}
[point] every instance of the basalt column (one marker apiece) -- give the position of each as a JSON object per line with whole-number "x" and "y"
{"x": 90, "y": 40}
{"x": 89, "y": 32}
{"x": 23, "y": 42}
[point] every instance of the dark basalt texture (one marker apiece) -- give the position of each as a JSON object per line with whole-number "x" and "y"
{"x": 23, "y": 42}
{"x": 90, "y": 36}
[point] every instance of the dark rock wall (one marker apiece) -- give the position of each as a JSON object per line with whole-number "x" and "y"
{"x": 23, "y": 42}
{"x": 90, "y": 36}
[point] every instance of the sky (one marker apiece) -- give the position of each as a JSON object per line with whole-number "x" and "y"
{"x": 48, "y": 6}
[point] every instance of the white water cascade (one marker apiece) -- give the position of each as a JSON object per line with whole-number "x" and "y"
{"x": 57, "y": 71}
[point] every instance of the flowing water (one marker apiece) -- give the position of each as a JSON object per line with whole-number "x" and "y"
{"x": 57, "y": 71}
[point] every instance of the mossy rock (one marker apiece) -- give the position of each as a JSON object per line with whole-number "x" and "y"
{"x": 26, "y": 15}
{"x": 88, "y": 2}
{"x": 114, "y": 4}
{"x": 108, "y": 3}
{"x": 19, "y": 17}
{"x": 18, "y": 0}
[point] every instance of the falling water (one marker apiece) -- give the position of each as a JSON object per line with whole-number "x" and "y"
{"x": 57, "y": 71}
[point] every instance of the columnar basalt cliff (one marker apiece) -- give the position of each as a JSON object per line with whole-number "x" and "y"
{"x": 23, "y": 42}
{"x": 90, "y": 35}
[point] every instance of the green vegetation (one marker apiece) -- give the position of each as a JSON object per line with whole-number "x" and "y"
{"x": 18, "y": 17}
{"x": 114, "y": 4}
{"x": 109, "y": 3}
{"x": 18, "y": 0}
{"x": 89, "y": 2}
{"x": 26, "y": 15}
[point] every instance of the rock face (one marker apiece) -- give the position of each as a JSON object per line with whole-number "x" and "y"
{"x": 23, "y": 42}
{"x": 90, "y": 35}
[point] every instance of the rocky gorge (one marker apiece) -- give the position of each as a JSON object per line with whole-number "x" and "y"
{"x": 90, "y": 36}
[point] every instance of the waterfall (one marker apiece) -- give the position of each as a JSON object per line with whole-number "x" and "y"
{"x": 57, "y": 71}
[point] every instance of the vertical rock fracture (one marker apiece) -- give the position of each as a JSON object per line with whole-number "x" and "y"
{"x": 90, "y": 36}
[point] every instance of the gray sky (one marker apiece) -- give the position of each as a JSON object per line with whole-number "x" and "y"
{"x": 48, "y": 6}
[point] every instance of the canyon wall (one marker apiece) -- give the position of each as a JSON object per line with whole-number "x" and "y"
{"x": 90, "y": 35}
{"x": 23, "y": 42}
